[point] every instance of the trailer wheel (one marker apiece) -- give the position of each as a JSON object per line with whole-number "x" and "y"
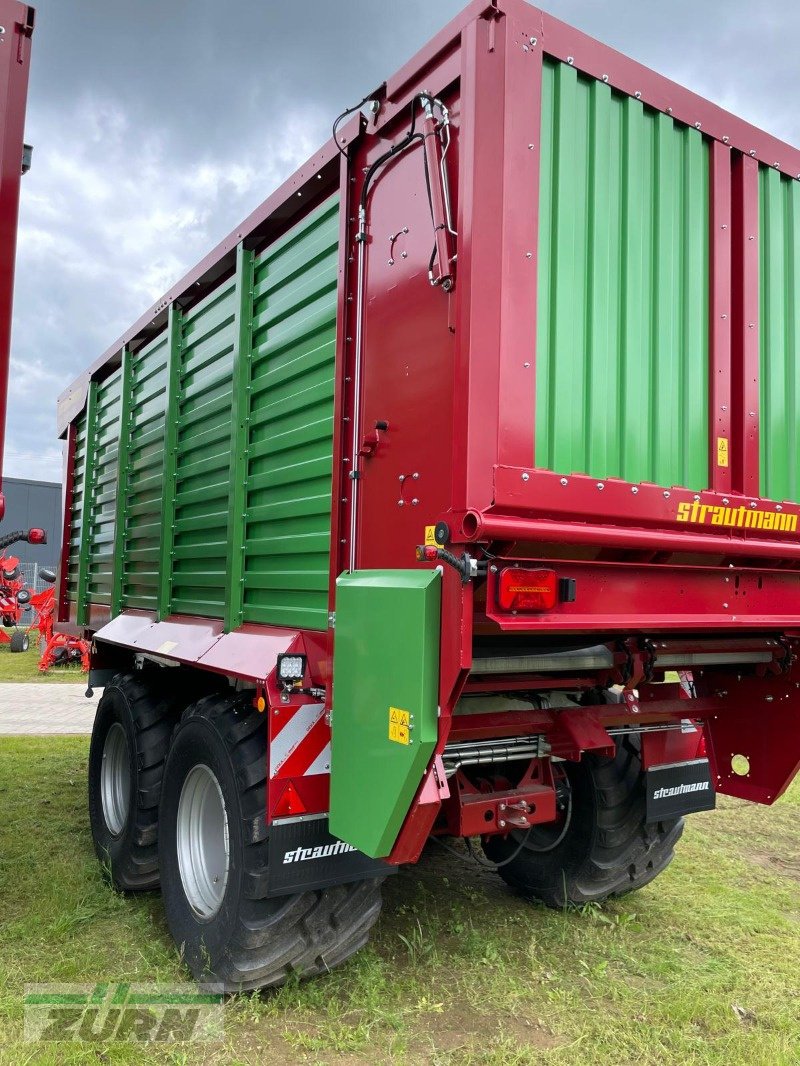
{"x": 601, "y": 846}
{"x": 19, "y": 641}
{"x": 130, "y": 738}
{"x": 213, "y": 849}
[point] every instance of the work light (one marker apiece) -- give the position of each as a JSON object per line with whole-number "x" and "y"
{"x": 291, "y": 668}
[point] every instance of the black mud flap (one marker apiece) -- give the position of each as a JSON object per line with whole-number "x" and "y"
{"x": 303, "y": 856}
{"x": 679, "y": 788}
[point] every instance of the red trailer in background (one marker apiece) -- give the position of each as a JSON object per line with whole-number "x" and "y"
{"x": 16, "y": 29}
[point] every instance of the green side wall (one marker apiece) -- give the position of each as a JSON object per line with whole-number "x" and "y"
{"x": 779, "y": 202}
{"x": 203, "y": 455}
{"x": 104, "y": 490}
{"x": 622, "y": 330}
{"x": 290, "y": 442}
{"x": 143, "y": 498}
{"x": 75, "y": 525}
{"x": 242, "y": 386}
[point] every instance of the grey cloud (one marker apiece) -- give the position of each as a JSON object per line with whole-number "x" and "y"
{"x": 158, "y": 125}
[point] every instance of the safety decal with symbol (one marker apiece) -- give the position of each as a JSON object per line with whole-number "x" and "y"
{"x": 399, "y": 726}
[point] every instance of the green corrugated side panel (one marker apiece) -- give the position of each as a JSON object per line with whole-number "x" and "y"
{"x": 203, "y": 461}
{"x": 104, "y": 490}
{"x": 622, "y": 360}
{"x": 288, "y": 501}
{"x": 145, "y": 480}
{"x": 779, "y": 202}
{"x": 79, "y": 466}
{"x": 386, "y": 658}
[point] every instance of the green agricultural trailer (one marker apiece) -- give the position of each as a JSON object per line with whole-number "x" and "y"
{"x": 454, "y": 494}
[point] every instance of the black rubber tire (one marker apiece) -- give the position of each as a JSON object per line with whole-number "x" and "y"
{"x": 19, "y": 641}
{"x": 251, "y": 941}
{"x": 608, "y": 848}
{"x": 148, "y": 716}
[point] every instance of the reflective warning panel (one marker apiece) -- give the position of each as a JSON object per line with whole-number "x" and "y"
{"x": 384, "y": 717}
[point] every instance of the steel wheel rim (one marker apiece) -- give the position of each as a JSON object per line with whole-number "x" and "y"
{"x": 202, "y": 841}
{"x": 115, "y": 779}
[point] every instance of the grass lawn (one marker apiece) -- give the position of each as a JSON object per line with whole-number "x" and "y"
{"x": 703, "y": 966}
{"x": 24, "y": 665}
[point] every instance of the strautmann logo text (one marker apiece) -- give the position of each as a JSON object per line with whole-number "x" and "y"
{"x": 741, "y": 517}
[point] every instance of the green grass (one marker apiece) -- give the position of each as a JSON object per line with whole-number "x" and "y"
{"x": 24, "y": 666}
{"x": 459, "y": 970}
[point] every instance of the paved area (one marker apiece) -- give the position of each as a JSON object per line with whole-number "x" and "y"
{"x": 32, "y": 708}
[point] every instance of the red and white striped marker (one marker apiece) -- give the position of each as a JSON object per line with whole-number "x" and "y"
{"x": 301, "y": 744}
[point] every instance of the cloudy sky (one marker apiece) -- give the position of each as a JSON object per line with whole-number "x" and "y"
{"x": 158, "y": 125}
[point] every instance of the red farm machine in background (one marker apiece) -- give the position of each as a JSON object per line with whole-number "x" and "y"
{"x": 16, "y": 599}
{"x": 58, "y": 649}
{"x": 16, "y": 29}
{"x": 455, "y": 493}
{"x": 24, "y": 610}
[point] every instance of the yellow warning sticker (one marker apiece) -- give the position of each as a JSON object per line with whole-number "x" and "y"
{"x": 399, "y": 726}
{"x": 430, "y": 537}
{"x": 167, "y": 647}
{"x": 722, "y": 451}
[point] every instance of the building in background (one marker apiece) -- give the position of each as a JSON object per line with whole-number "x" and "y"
{"x": 34, "y": 503}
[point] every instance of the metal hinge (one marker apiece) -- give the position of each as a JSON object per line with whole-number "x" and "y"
{"x": 332, "y": 620}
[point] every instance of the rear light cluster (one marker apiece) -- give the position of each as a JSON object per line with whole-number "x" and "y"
{"x": 521, "y": 588}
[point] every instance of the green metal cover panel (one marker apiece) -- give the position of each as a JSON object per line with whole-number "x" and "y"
{"x": 386, "y": 666}
{"x": 622, "y": 360}
{"x": 290, "y": 445}
{"x": 76, "y": 518}
{"x": 779, "y": 198}
{"x": 203, "y": 415}
{"x": 102, "y": 503}
{"x": 145, "y": 477}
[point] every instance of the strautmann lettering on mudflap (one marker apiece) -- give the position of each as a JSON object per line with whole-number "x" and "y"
{"x": 736, "y": 517}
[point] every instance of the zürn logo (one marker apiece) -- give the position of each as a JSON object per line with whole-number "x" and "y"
{"x": 139, "y": 1013}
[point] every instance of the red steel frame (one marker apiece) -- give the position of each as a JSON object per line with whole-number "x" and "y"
{"x": 16, "y": 19}
{"x": 616, "y": 539}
